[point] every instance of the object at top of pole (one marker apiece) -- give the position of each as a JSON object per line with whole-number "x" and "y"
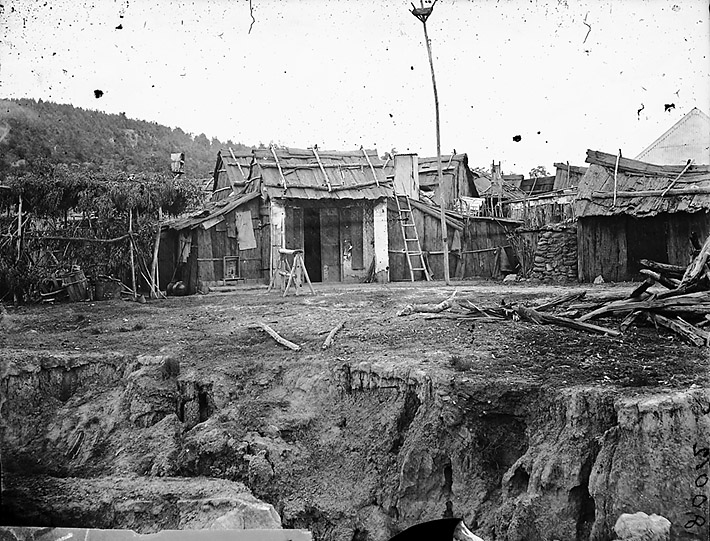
{"x": 422, "y": 13}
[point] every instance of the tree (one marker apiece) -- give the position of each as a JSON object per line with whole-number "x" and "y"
{"x": 539, "y": 171}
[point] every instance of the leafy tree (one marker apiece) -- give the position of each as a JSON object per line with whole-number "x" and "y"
{"x": 539, "y": 171}
{"x": 62, "y": 202}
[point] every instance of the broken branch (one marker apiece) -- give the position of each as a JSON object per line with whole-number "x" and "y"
{"x": 428, "y": 308}
{"x": 329, "y": 339}
{"x": 279, "y": 338}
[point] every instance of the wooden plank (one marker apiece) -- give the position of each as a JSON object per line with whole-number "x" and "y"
{"x": 205, "y": 270}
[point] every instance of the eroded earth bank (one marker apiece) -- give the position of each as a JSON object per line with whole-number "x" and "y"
{"x": 528, "y": 433}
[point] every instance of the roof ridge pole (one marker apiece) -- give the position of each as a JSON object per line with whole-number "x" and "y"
{"x": 687, "y": 165}
{"x": 370, "y": 164}
{"x": 283, "y": 178}
{"x": 327, "y": 180}
{"x": 422, "y": 14}
{"x": 238, "y": 164}
{"x": 616, "y": 171}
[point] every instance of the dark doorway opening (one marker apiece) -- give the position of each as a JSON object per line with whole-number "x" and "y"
{"x": 645, "y": 239}
{"x": 311, "y": 243}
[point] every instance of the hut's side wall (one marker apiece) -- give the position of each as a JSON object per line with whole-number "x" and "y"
{"x": 611, "y": 246}
{"x": 601, "y": 248}
{"x": 472, "y": 254}
{"x": 484, "y": 240}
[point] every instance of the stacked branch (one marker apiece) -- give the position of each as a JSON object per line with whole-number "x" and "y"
{"x": 683, "y": 306}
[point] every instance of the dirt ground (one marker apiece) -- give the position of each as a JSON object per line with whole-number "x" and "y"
{"x": 204, "y": 331}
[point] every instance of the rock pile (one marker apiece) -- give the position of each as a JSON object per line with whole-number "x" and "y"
{"x": 556, "y": 253}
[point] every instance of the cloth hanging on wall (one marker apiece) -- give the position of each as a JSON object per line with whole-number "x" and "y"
{"x": 245, "y": 230}
{"x": 185, "y": 245}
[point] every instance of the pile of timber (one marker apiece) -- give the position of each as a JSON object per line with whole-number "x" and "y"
{"x": 682, "y": 307}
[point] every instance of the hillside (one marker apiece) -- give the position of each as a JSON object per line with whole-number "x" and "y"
{"x": 62, "y": 133}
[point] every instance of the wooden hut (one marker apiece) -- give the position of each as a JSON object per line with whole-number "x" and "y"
{"x": 332, "y": 205}
{"x": 457, "y": 179}
{"x": 634, "y": 210}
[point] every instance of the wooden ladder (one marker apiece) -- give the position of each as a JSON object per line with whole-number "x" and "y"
{"x": 412, "y": 247}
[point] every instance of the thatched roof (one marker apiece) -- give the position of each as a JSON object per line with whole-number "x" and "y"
{"x": 642, "y": 189}
{"x": 304, "y": 174}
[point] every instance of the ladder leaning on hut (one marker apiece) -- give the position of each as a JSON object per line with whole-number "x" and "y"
{"x": 412, "y": 246}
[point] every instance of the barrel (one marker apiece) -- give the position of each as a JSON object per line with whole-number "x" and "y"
{"x": 76, "y": 284}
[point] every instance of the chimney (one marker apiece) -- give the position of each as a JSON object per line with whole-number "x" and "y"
{"x": 177, "y": 163}
{"x": 406, "y": 175}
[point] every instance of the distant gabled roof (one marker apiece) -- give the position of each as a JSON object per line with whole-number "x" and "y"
{"x": 689, "y": 138}
{"x": 642, "y": 189}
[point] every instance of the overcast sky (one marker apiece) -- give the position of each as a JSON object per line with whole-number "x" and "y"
{"x": 348, "y": 73}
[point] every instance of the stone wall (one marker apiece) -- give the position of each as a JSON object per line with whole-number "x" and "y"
{"x": 556, "y": 253}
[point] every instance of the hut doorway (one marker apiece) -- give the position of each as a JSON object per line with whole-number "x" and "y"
{"x": 312, "y": 244}
{"x": 645, "y": 239}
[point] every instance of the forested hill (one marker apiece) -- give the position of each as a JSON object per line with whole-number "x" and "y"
{"x": 30, "y": 130}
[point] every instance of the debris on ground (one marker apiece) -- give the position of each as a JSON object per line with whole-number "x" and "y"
{"x": 683, "y": 308}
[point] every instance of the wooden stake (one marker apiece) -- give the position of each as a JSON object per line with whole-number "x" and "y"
{"x": 325, "y": 175}
{"x": 283, "y": 178}
{"x": 370, "y": 164}
{"x": 130, "y": 242}
{"x": 278, "y": 338}
{"x": 616, "y": 170}
{"x": 329, "y": 340}
{"x": 687, "y": 165}
{"x": 155, "y": 278}
{"x": 19, "y": 227}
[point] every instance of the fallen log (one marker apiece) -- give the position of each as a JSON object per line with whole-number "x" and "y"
{"x": 630, "y": 319}
{"x": 428, "y": 308}
{"x": 484, "y": 311}
{"x": 673, "y": 271}
{"x": 668, "y": 283}
{"x": 697, "y": 268}
{"x": 697, "y": 302}
{"x": 329, "y": 339}
{"x": 541, "y": 318}
{"x": 278, "y": 338}
{"x": 697, "y": 336}
{"x": 562, "y": 299}
{"x": 641, "y": 289}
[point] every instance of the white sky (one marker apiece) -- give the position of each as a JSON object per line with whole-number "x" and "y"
{"x": 348, "y": 73}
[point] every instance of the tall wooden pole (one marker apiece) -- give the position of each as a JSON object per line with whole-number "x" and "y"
{"x": 130, "y": 243}
{"x": 19, "y": 228}
{"x": 154, "y": 272}
{"x": 423, "y": 15}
